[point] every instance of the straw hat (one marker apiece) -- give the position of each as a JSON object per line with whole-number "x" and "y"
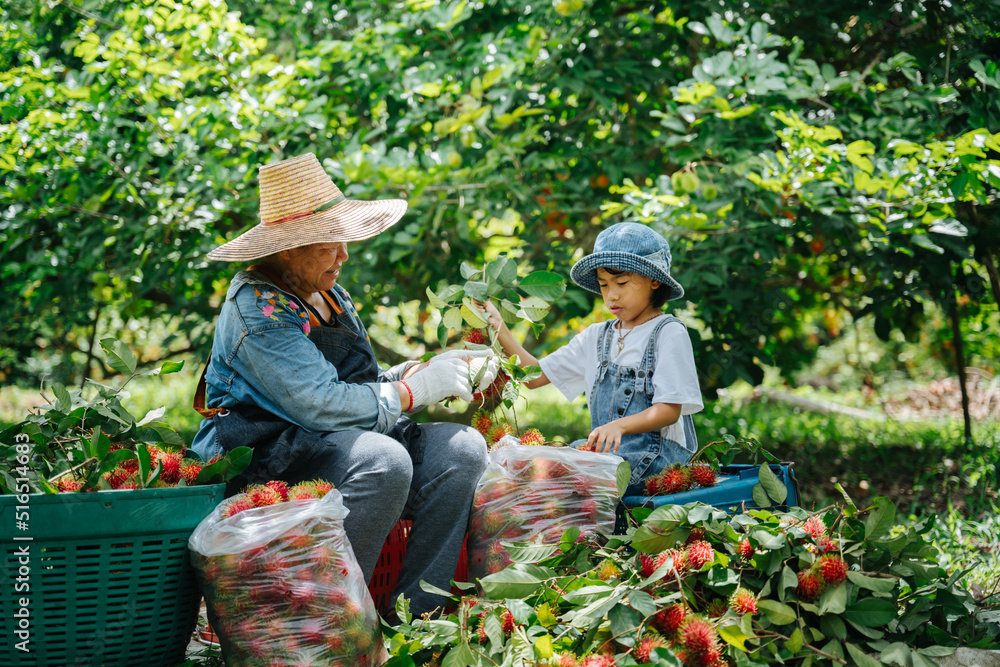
{"x": 300, "y": 205}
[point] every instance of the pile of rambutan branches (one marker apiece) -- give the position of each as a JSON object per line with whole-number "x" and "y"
{"x": 693, "y": 585}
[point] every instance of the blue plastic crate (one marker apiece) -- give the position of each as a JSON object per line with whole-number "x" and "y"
{"x": 733, "y": 490}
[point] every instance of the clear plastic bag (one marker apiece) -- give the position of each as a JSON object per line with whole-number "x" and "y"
{"x": 530, "y": 491}
{"x": 282, "y": 586}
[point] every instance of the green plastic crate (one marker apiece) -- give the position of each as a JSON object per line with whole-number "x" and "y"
{"x": 109, "y": 578}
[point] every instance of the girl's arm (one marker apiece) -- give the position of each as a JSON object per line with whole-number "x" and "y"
{"x": 511, "y": 345}
{"x": 608, "y": 437}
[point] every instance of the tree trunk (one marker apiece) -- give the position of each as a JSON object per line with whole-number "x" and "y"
{"x": 90, "y": 350}
{"x": 956, "y": 331}
{"x": 991, "y": 269}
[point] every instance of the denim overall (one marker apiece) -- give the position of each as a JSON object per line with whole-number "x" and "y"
{"x": 621, "y": 391}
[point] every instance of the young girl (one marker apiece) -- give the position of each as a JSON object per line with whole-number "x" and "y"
{"x": 638, "y": 369}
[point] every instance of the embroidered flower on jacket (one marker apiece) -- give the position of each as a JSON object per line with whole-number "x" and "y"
{"x": 306, "y": 328}
{"x": 267, "y": 310}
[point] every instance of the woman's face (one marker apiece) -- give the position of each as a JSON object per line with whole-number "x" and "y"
{"x": 314, "y": 268}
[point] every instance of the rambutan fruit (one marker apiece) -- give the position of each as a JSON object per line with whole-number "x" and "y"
{"x": 495, "y": 389}
{"x": 695, "y": 535}
{"x": 647, "y": 564}
{"x": 716, "y": 608}
{"x": 499, "y": 430}
{"x": 697, "y": 635}
{"x": 262, "y": 496}
{"x": 476, "y": 336}
{"x": 608, "y": 570}
{"x": 644, "y": 651}
{"x": 652, "y": 485}
{"x": 481, "y": 633}
{"x": 322, "y": 486}
{"x": 190, "y": 470}
{"x": 236, "y": 505}
{"x": 597, "y": 661}
{"x": 745, "y": 549}
{"x": 678, "y": 558}
{"x": 130, "y": 485}
{"x": 279, "y": 487}
{"x": 494, "y": 521}
{"x": 507, "y": 622}
{"x": 482, "y": 422}
{"x": 814, "y": 527}
{"x": 302, "y": 595}
{"x": 311, "y": 631}
{"x": 669, "y": 620}
{"x": 698, "y": 553}
{"x": 565, "y": 660}
{"x": 303, "y": 491}
{"x": 703, "y": 474}
{"x": 116, "y": 477}
{"x": 532, "y": 437}
{"x": 68, "y": 484}
{"x": 827, "y": 545}
{"x": 743, "y": 601}
{"x": 674, "y": 480}
{"x": 810, "y": 586}
{"x": 832, "y": 568}
{"x": 171, "y": 462}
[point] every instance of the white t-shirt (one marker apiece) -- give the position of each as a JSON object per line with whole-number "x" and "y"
{"x": 573, "y": 367}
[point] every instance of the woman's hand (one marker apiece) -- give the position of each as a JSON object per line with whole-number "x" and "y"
{"x": 484, "y": 361}
{"x": 606, "y": 438}
{"x": 451, "y": 374}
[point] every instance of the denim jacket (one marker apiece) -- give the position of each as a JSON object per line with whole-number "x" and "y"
{"x": 262, "y": 356}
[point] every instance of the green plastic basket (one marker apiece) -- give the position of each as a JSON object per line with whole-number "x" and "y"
{"x": 108, "y": 576}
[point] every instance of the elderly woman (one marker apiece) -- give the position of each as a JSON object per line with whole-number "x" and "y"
{"x": 292, "y": 374}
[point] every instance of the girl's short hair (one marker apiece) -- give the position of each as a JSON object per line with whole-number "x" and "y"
{"x": 660, "y": 295}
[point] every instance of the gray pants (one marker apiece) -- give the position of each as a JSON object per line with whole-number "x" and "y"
{"x": 381, "y": 485}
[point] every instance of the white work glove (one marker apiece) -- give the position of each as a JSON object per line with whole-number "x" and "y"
{"x": 485, "y": 361}
{"x": 450, "y": 374}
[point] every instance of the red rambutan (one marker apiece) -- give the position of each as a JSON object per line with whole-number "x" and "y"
{"x": 608, "y": 570}
{"x": 116, "y": 477}
{"x": 716, "y": 608}
{"x": 703, "y": 474}
{"x": 303, "y": 491}
{"x": 832, "y": 568}
{"x": 279, "y": 487}
{"x": 680, "y": 563}
{"x": 695, "y": 535}
{"x": 236, "y": 505}
{"x": 262, "y": 496}
{"x": 697, "y": 635}
{"x": 499, "y": 430}
{"x": 644, "y": 651}
{"x": 647, "y": 564}
{"x": 322, "y": 487}
{"x": 482, "y": 422}
{"x": 476, "y": 336}
{"x": 669, "y": 620}
{"x": 815, "y": 527}
{"x": 171, "y": 462}
{"x": 698, "y": 553}
{"x": 746, "y": 549}
{"x": 190, "y": 470}
{"x": 507, "y": 622}
{"x": 810, "y": 586}
{"x": 598, "y": 661}
{"x": 532, "y": 437}
{"x": 743, "y": 601}
{"x": 68, "y": 485}
{"x": 566, "y": 660}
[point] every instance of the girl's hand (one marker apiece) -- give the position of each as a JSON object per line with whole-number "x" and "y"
{"x": 495, "y": 320}
{"x": 606, "y": 438}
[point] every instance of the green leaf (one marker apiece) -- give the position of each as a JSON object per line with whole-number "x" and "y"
{"x": 63, "y": 400}
{"x": 476, "y": 290}
{"x": 545, "y": 616}
{"x": 734, "y": 636}
{"x": 772, "y": 485}
{"x": 453, "y": 319}
{"x": 468, "y": 271}
{"x": 229, "y": 466}
{"x": 522, "y": 552}
{"x": 544, "y": 285}
{"x": 119, "y": 357}
{"x": 760, "y": 496}
{"x": 533, "y": 309}
{"x": 833, "y": 600}
{"x": 169, "y": 367}
{"x": 625, "y": 623}
{"x": 777, "y": 612}
{"x": 795, "y": 641}
{"x": 861, "y": 659}
{"x": 871, "y": 612}
{"x": 472, "y": 316}
{"x": 516, "y": 581}
{"x": 897, "y": 653}
{"x": 543, "y": 646}
{"x": 877, "y": 584}
{"x": 460, "y": 656}
{"x": 623, "y": 475}
{"x": 880, "y": 520}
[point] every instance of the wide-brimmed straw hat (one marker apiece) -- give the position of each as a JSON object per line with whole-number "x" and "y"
{"x": 300, "y": 205}
{"x": 627, "y": 246}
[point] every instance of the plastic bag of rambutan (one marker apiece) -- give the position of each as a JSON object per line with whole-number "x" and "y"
{"x": 281, "y": 583}
{"x": 531, "y": 492}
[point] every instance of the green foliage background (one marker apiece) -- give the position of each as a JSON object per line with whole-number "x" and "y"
{"x": 812, "y": 163}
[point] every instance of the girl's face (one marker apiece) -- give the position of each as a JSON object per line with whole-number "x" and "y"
{"x": 314, "y": 268}
{"x": 627, "y": 295}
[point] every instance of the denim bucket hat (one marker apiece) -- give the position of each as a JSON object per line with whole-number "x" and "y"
{"x": 627, "y": 246}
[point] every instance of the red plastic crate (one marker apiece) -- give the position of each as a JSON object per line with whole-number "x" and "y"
{"x": 390, "y": 561}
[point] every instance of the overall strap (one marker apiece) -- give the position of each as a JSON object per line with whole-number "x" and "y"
{"x": 604, "y": 350}
{"x": 649, "y": 358}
